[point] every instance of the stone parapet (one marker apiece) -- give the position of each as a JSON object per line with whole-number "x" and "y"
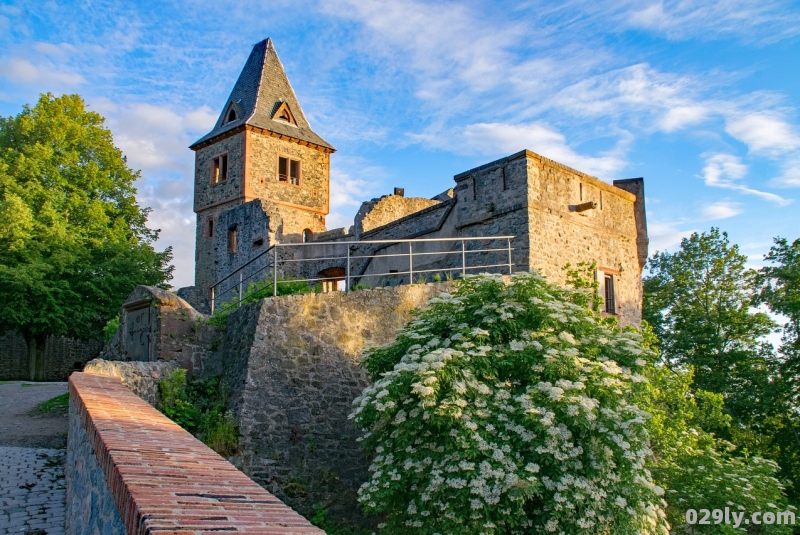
{"x": 158, "y": 476}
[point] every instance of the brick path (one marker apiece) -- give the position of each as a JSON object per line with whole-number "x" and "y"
{"x": 32, "y": 491}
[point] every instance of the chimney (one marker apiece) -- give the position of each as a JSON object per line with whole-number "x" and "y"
{"x": 400, "y": 192}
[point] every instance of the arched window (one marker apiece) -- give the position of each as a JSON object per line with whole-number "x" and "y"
{"x": 231, "y": 115}
{"x": 308, "y": 236}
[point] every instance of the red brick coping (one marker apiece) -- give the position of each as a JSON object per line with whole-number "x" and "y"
{"x": 163, "y": 480}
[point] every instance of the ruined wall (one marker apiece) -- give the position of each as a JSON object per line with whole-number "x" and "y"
{"x": 292, "y": 370}
{"x": 301, "y": 207}
{"x": 157, "y": 325}
{"x": 389, "y": 208}
{"x": 60, "y": 357}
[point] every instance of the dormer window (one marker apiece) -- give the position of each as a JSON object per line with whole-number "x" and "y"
{"x": 284, "y": 114}
{"x": 231, "y": 115}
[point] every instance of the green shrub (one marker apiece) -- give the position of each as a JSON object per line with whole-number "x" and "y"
{"x": 506, "y": 409}
{"x": 200, "y": 407}
{"x": 259, "y": 290}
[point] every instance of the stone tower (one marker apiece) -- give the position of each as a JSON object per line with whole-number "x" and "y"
{"x": 262, "y": 175}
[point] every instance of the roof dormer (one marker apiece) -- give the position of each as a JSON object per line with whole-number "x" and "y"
{"x": 283, "y": 113}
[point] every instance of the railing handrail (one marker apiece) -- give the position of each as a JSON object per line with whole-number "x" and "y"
{"x": 355, "y": 242}
{"x": 353, "y": 245}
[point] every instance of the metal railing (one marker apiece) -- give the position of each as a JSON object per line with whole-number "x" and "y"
{"x": 459, "y": 258}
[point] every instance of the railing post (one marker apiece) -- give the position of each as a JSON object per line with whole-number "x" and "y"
{"x": 240, "y": 288}
{"x": 274, "y": 271}
{"x": 347, "y": 275}
{"x": 410, "y": 264}
{"x": 509, "y": 255}
{"x": 212, "y": 300}
{"x": 463, "y": 260}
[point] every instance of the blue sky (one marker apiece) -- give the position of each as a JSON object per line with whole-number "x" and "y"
{"x": 700, "y": 97}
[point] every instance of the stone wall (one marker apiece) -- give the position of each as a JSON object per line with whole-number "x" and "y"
{"x": 163, "y": 479}
{"x": 157, "y": 325}
{"x": 90, "y": 505}
{"x": 292, "y": 370}
{"x": 60, "y": 357}
{"x": 141, "y": 378}
{"x": 389, "y": 208}
{"x": 302, "y": 206}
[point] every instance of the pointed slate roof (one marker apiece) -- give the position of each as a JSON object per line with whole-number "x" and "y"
{"x": 259, "y": 92}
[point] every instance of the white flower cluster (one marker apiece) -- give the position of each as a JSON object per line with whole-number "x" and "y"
{"x": 503, "y": 408}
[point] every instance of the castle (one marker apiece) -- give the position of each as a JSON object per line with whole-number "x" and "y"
{"x": 262, "y": 176}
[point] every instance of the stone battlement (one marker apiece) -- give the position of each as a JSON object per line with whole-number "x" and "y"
{"x": 131, "y": 470}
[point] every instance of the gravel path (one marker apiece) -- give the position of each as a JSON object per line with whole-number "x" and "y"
{"x": 32, "y": 456}
{"x": 18, "y": 428}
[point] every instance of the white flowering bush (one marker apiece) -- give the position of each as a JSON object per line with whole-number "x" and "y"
{"x": 506, "y": 408}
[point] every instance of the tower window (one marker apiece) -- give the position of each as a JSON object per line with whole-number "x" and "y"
{"x": 231, "y": 115}
{"x": 289, "y": 170}
{"x": 210, "y": 227}
{"x": 308, "y": 236}
{"x": 219, "y": 169}
{"x": 232, "y": 240}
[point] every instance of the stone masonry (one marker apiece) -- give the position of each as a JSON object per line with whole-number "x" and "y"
{"x": 292, "y": 371}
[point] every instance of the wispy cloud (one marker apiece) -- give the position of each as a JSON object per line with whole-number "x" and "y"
{"x": 721, "y": 210}
{"x": 764, "y": 133}
{"x": 725, "y": 170}
{"x": 665, "y": 236}
{"x": 22, "y": 71}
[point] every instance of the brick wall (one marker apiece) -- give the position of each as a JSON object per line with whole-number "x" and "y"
{"x": 158, "y": 476}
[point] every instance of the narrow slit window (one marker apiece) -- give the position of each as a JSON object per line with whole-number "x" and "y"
{"x": 232, "y": 240}
{"x": 210, "y": 228}
{"x": 580, "y": 190}
{"x": 610, "y": 294}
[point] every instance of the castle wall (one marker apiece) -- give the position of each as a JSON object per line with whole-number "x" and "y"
{"x": 606, "y": 234}
{"x": 301, "y": 207}
{"x": 292, "y": 370}
{"x": 211, "y": 200}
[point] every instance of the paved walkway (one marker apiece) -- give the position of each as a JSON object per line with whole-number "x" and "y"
{"x": 32, "y": 491}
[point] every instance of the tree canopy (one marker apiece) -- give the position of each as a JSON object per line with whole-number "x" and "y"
{"x": 73, "y": 240}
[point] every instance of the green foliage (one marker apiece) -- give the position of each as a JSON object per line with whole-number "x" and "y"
{"x": 111, "y": 327}
{"x": 74, "y": 242}
{"x": 200, "y": 407}
{"x": 781, "y": 287}
{"x": 699, "y": 301}
{"x": 321, "y": 520}
{"x": 509, "y": 409}
{"x": 56, "y": 405}
{"x": 257, "y": 290}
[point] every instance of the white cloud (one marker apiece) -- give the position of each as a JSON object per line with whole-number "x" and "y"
{"x": 723, "y": 170}
{"x": 766, "y": 20}
{"x": 683, "y": 116}
{"x": 22, "y": 71}
{"x": 764, "y": 133}
{"x": 790, "y": 177}
{"x": 493, "y": 139}
{"x": 721, "y": 210}
{"x": 349, "y": 191}
{"x": 665, "y": 236}
{"x": 59, "y": 51}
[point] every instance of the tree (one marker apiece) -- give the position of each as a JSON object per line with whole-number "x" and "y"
{"x": 781, "y": 288}
{"x": 73, "y": 240}
{"x": 700, "y": 302}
